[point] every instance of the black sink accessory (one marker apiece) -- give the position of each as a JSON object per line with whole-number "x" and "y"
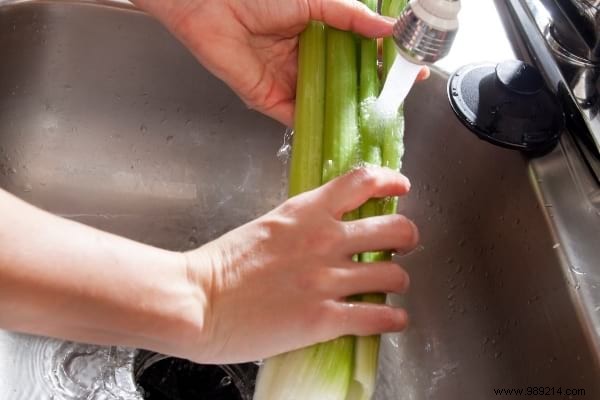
{"x": 507, "y": 104}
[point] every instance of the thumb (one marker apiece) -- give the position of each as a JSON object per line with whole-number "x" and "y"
{"x": 350, "y": 15}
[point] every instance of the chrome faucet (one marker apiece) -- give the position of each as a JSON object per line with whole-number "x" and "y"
{"x": 573, "y": 34}
{"x": 426, "y": 29}
{"x": 576, "y": 27}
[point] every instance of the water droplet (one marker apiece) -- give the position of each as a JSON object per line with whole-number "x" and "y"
{"x": 170, "y": 139}
{"x": 498, "y": 354}
{"x": 143, "y": 129}
{"x": 193, "y": 241}
{"x": 285, "y": 151}
{"x": 577, "y": 270}
{"x": 226, "y": 381}
{"x": 556, "y": 245}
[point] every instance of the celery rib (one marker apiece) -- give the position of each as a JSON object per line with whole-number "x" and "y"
{"x": 307, "y": 152}
{"x": 333, "y": 133}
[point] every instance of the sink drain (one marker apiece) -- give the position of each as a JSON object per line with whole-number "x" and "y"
{"x": 161, "y": 378}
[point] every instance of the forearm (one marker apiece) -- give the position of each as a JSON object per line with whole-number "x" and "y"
{"x": 168, "y": 12}
{"x": 64, "y": 279}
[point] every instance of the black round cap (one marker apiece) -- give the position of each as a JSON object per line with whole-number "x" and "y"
{"x": 508, "y": 105}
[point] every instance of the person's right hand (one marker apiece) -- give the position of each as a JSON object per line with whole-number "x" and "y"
{"x": 281, "y": 281}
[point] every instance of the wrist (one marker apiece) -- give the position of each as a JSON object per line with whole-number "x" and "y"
{"x": 167, "y": 12}
{"x": 179, "y": 330}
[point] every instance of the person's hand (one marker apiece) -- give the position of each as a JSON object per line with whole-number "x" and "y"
{"x": 252, "y": 45}
{"x": 281, "y": 281}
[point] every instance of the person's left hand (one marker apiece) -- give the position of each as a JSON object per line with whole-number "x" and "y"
{"x": 252, "y": 45}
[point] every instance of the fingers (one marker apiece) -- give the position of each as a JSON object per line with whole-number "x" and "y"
{"x": 388, "y": 232}
{"x": 364, "y": 319}
{"x": 350, "y": 15}
{"x": 283, "y": 112}
{"x": 352, "y": 190}
{"x": 424, "y": 74}
{"x": 362, "y": 278}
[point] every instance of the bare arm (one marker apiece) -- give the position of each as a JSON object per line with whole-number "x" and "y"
{"x": 279, "y": 282}
{"x": 63, "y": 279}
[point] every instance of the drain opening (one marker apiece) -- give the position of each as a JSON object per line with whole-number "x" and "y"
{"x": 161, "y": 378}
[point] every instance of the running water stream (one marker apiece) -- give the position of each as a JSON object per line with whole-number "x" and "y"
{"x": 400, "y": 80}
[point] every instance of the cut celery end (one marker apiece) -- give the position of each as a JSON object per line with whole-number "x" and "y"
{"x": 319, "y": 372}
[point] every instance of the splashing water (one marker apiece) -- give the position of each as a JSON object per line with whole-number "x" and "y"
{"x": 48, "y": 369}
{"x": 285, "y": 151}
{"x": 41, "y": 368}
{"x": 400, "y": 80}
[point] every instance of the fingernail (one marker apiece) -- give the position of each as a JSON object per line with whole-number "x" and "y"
{"x": 406, "y": 283}
{"x": 416, "y": 235}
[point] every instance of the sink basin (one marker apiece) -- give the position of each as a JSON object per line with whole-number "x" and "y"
{"x": 491, "y": 302}
{"x": 106, "y": 119}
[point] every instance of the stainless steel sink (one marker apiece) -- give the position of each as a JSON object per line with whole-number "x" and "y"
{"x": 494, "y": 301}
{"x": 106, "y": 119}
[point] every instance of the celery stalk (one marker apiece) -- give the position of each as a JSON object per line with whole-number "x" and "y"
{"x": 334, "y": 132}
{"x": 307, "y": 152}
{"x": 381, "y": 145}
{"x": 366, "y": 349}
{"x": 385, "y": 6}
{"x": 340, "y": 144}
{"x": 322, "y": 371}
{"x": 393, "y": 147}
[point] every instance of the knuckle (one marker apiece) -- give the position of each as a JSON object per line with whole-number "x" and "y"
{"x": 316, "y": 281}
{"x": 272, "y": 227}
{"x": 293, "y": 205}
{"x": 323, "y": 322}
{"x": 366, "y": 177}
{"x": 326, "y": 240}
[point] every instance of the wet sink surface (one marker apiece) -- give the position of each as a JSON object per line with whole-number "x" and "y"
{"x": 106, "y": 119}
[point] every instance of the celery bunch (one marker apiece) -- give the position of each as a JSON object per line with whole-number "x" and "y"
{"x": 334, "y": 132}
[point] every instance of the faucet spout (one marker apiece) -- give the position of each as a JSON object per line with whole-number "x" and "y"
{"x": 426, "y": 29}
